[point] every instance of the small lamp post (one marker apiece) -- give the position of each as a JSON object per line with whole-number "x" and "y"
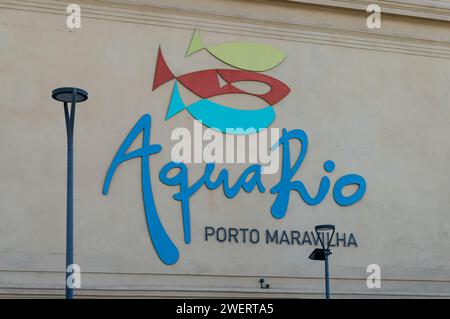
{"x": 69, "y": 95}
{"x": 324, "y": 252}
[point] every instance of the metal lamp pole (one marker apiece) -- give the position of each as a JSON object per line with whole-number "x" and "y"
{"x": 324, "y": 252}
{"x": 72, "y": 95}
{"x": 327, "y": 275}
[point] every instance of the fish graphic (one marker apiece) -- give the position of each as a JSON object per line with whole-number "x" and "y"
{"x": 249, "y": 56}
{"x": 206, "y": 84}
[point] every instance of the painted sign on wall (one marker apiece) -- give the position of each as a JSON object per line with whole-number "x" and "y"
{"x": 250, "y": 58}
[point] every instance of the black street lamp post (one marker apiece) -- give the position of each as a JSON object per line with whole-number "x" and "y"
{"x": 324, "y": 252}
{"x": 72, "y": 95}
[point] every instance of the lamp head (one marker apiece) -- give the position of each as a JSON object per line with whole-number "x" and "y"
{"x": 324, "y": 228}
{"x": 317, "y": 254}
{"x": 325, "y": 241}
{"x": 65, "y": 94}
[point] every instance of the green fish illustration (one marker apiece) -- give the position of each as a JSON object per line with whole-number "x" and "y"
{"x": 249, "y": 56}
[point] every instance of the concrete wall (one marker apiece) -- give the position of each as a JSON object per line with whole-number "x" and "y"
{"x": 376, "y": 102}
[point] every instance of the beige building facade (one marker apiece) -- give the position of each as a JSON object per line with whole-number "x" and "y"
{"x": 374, "y": 101}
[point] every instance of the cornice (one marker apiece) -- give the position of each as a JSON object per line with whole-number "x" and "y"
{"x": 267, "y": 28}
{"x": 426, "y": 9}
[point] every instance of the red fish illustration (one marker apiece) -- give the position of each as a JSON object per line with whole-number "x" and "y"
{"x": 206, "y": 84}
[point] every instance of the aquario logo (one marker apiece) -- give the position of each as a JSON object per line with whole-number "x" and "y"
{"x": 249, "y": 57}
{"x": 248, "y": 60}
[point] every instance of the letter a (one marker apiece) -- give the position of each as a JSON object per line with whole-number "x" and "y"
{"x": 165, "y": 248}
